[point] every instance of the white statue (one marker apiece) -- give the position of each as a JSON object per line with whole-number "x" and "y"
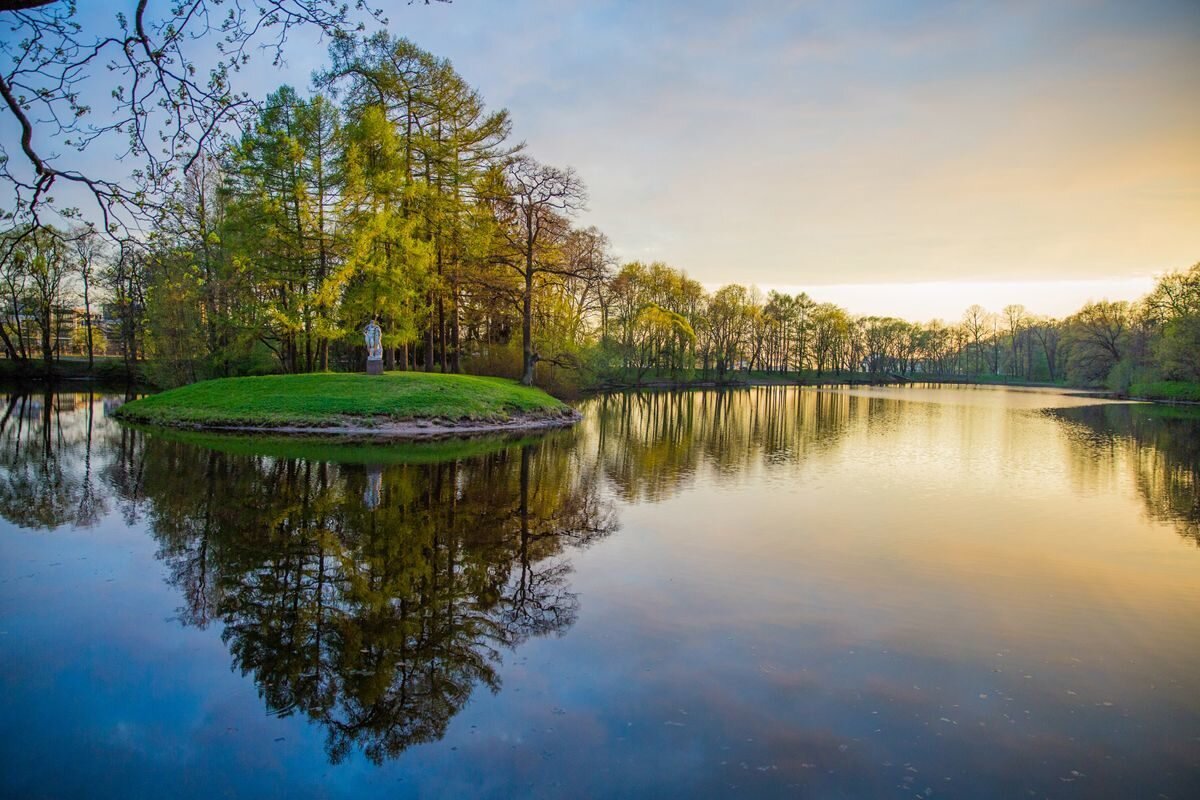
{"x": 374, "y": 336}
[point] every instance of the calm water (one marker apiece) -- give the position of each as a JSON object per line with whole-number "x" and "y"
{"x": 771, "y": 592}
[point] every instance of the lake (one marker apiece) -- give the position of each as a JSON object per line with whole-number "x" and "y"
{"x": 771, "y": 592}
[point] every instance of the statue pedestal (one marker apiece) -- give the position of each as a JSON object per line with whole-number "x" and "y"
{"x": 374, "y": 366}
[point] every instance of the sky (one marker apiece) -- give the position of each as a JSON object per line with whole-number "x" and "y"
{"x": 895, "y": 157}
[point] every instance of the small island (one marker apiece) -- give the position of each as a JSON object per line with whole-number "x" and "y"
{"x": 395, "y": 404}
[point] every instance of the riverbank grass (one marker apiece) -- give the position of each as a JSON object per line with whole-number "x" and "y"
{"x": 1169, "y": 391}
{"x": 324, "y": 399}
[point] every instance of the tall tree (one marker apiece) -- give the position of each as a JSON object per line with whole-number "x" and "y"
{"x": 1097, "y": 335}
{"x": 89, "y": 250}
{"x": 385, "y": 275}
{"x": 976, "y": 321}
{"x": 532, "y": 203}
{"x": 286, "y": 179}
{"x": 48, "y": 267}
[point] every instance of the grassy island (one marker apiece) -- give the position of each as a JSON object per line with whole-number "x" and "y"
{"x": 340, "y": 400}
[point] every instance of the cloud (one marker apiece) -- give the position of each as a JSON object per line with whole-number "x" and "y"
{"x": 802, "y": 142}
{"x": 813, "y": 143}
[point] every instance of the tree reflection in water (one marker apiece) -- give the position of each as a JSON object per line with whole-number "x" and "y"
{"x": 652, "y": 444}
{"x": 1160, "y": 445}
{"x": 49, "y": 478}
{"x": 376, "y": 622}
{"x": 373, "y": 597}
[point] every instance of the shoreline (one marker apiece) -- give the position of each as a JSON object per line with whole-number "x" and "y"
{"x": 816, "y": 383}
{"x": 419, "y": 429}
{"x": 95, "y": 380}
{"x": 883, "y": 380}
{"x": 415, "y": 429}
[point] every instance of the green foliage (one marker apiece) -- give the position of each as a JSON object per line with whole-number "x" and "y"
{"x": 79, "y": 339}
{"x": 1120, "y": 376}
{"x": 35, "y": 273}
{"x": 501, "y": 360}
{"x": 1178, "y": 349}
{"x": 385, "y": 274}
{"x": 328, "y": 398}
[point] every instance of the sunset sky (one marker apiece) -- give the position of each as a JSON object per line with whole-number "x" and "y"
{"x": 900, "y": 157}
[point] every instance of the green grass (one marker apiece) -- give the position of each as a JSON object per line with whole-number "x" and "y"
{"x": 340, "y": 398}
{"x": 344, "y": 450}
{"x": 1186, "y": 391}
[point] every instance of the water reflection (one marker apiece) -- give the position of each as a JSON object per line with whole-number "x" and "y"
{"x": 374, "y": 589}
{"x": 1159, "y": 445}
{"x": 372, "y": 599}
{"x": 653, "y": 444}
{"x": 376, "y": 619}
{"x": 63, "y": 462}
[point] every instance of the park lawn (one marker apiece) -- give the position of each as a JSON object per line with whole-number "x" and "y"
{"x": 326, "y": 398}
{"x": 1178, "y": 391}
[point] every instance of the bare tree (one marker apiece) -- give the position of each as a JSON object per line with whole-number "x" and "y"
{"x": 89, "y": 251}
{"x": 975, "y": 319}
{"x": 1099, "y": 335}
{"x": 589, "y": 263}
{"x": 532, "y": 203}
{"x": 1047, "y": 331}
{"x": 1017, "y": 319}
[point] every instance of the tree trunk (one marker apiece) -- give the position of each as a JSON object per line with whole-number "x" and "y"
{"x": 429, "y": 340}
{"x": 441, "y": 312}
{"x": 455, "y": 332}
{"x": 47, "y": 349}
{"x": 527, "y": 327}
{"x": 8, "y": 345}
{"x": 87, "y": 320}
{"x": 20, "y": 327}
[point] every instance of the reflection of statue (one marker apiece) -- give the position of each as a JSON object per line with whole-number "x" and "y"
{"x": 377, "y": 620}
{"x": 374, "y": 490}
{"x": 374, "y": 338}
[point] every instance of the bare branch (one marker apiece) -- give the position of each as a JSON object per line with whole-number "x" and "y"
{"x": 161, "y": 101}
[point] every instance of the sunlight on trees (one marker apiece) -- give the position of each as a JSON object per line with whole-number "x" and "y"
{"x": 389, "y": 191}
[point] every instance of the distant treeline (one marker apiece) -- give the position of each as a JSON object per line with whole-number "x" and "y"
{"x": 656, "y": 320}
{"x": 391, "y": 192}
